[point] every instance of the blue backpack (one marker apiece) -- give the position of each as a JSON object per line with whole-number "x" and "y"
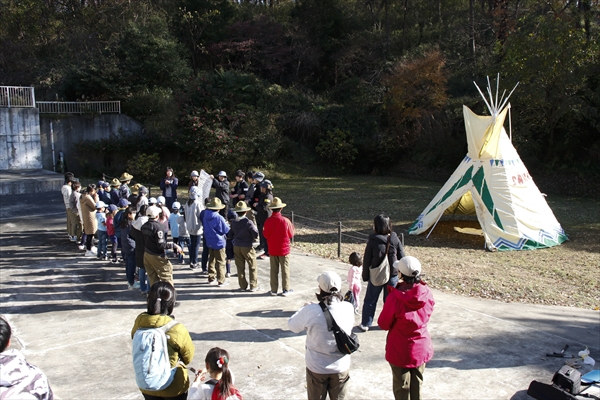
{"x": 151, "y": 358}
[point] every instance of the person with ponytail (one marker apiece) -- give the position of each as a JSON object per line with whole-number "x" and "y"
{"x": 219, "y": 386}
{"x": 405, "y": 315}
{"x": 161, "y": 300}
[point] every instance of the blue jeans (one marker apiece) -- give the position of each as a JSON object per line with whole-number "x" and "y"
{"x": 130, "y": 267}
{"x": 143, "y": 281}
{"x": 371, "y": 299}
{"x": 184, "y": 241}
{"x": 204, "y": 254}
{"x": 194, "y": 246}
{"x": 102, "y": 243}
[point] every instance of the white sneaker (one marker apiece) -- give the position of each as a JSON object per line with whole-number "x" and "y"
{"x": 227, "y": 275}
{"x": 94, "y": 249}
{"x": 90, "y": 253}
{"x": 223, "y": 284}
{"x": 363, "y": 328}
{"x": 136, "y": 285}
{"x": 81, "y": 247}
{"x": 272, "y": 293}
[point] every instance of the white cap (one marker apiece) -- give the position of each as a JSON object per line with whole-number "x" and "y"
{"x": 329, "y": 280}
{"x": 152, "y": 200}
{"x": 176, "y": 205}
{"x": 194, "y": 173}
{"x": 100, "y": 204}
{"x": 223, "y": 173}
{"x": 194, "y": 192}
{"x": 161, "y": 200}
{"x": 408, "y": 266}
{"x": 153, "y": 212}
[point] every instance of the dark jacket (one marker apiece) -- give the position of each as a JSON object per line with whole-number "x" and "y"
{"x": 375, "y": 250}
{"x": 262, "y": 211}
{"x": 250, "y": 194}
{"x": 221, "y": 190}
{"x": 155, "y": 241}
{"x": 174, "y": 184}
{"x": 243, "y": 232}
{"x": 127, "y": 242}
{"x": 138, "y": 237}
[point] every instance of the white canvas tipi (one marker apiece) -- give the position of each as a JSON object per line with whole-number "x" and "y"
{"x": 493, "y": 183}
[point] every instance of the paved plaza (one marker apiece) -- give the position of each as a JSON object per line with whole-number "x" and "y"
{"x": 72, "y": 316}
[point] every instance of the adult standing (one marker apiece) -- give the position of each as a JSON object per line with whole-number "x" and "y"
{"x": 136, "y": 233}
{"x": 66, "y": 191}
{"x": 158, "y": 266}
{"x": 263, "y": 199}
{"x": 88, "y": 215}
{"x": 169, "y": 186}
{"x": 215, "y": 231}
{"x": 250, "y": 194}
{"x": 194, "y": 179}
{"x": 374, "y": 254}
{"x": 327, "y": 369}
{"x": 405, "y": 315}
{"x": 160, "y": 304}
{"x": 240, "y": 190}
{"x": 221, "y": 186}
{"x": 192, "y": 209}
{"x": 278, "y": 232}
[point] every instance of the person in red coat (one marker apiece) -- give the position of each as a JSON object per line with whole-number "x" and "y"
{"x": 405, "y": 314}
{"x": 278, "y": 231}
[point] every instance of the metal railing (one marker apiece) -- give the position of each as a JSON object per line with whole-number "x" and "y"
{"x": 17, "y": 96}
{"x": 79, "y": 107}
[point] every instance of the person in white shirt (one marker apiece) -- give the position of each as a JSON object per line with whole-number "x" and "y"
{"x": 327, "y": 369}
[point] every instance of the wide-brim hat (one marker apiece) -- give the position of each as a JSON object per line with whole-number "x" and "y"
{"x": 241, "y": 206}
{"x": 276, "y": 203}
{"x": 115, "y": 182}
{"x": 135, "y": 188}
{"x": 215, "y": 204}
{"x": 126, "y": 177}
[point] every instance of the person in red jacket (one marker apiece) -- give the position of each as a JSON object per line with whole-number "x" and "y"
{"x": 278, "y": 231}
{"x": 405, "y": 314}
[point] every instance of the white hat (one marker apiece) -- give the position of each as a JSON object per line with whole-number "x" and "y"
{"x": 161, "y": 200}
{"x": 194, "y": 192}
{"x": 408, "y": 266}
{"x": 176, "y": 205}
{"x": 100, "y": 204}
{"x": 153, "y": 212}
{"x": 223, "y": 173}
{"x": 152, "y": 200}
{"x": 328, "y": 281}
{"x": 194, "y": 173}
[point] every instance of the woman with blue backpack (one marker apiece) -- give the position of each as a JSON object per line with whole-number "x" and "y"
{"x": 159, "y": 344}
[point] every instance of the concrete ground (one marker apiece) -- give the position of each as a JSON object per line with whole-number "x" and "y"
{"x": 72, "y": 317}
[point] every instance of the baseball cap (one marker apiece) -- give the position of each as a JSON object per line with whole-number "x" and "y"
{"x": 152, "y": 200}
{"x": 100, "y": 204}
{"x": 408, "y": 266}
{"x": 329, "y": 282}
{"x": 153, "y": 212}
{"x": 194, "y": 173}
{"x": 123, "y": 203}
{"x": 176, "y": 205}
{"x": 112, "y": 207}
{"x": 160, "y": 200}
{"x": 223, "y": 173}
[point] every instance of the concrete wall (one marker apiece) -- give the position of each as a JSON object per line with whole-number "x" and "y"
{"x": 20, "y": 146}
{"x": 71, "y": 129}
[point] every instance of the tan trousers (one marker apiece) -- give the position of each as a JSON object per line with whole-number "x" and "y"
{"x": 242, "y": 256}
{"x": 284, "y": 263}
{"x": 73, "y": 223}
{"x": 216, "y": 265}
{"x": 407, "y": 382}
{"x": 158, "y": 269}
{"x": 318, "y": 385}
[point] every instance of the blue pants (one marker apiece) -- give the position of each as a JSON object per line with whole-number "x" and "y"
{"x": 371, "y": 299}
{"x": 102, "y": 243}
{"x": 204, "y": 254}
{"x": 194, "y": 246}
{"x": 184, "y": 241}
{"x": 130, "y": 268}
{"x": 143, "y": 281}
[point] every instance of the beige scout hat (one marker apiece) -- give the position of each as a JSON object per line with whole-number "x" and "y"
{"x": 276, "y": 203}
{"x": 215, "y": 204}
{"x": 126, "y": 177}
{"x": 241, "y": 207}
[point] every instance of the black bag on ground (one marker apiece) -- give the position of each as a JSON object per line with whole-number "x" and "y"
{"x": 346, "y": 344}
{"x": 545, "y": 391}
{"x": 568, "y": 378}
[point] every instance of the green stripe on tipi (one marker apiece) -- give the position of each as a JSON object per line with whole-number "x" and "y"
{"x": 466, "y": 178}
{"x": 481, "y": 186}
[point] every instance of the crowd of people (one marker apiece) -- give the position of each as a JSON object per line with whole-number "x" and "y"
{"x": 232, "y": 226}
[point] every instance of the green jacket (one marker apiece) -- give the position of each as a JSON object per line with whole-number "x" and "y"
{"x": 180, "y": 348}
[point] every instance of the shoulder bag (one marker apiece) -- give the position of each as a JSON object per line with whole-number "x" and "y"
{"x": 380, "y": 274}
{"x": 346, "y": 344}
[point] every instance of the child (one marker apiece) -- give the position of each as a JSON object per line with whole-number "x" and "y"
{"x": 173, "y": 225}
{"x": 103, "y": 193}
{"x": 244, "y": 234}
{"x": 231, "y": 215}
{"x": 221, "y": 378}
{"x": 184, "y": 234}
{"x": 114, "y": 191}
{"x": 110, "y": 230}
{"x": 128, "y": 248}
{"x": 102, "y": 233}
{"x": 354, "y": 279}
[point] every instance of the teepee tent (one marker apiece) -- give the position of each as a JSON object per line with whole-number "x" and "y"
{"x": 493, "y": 183}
